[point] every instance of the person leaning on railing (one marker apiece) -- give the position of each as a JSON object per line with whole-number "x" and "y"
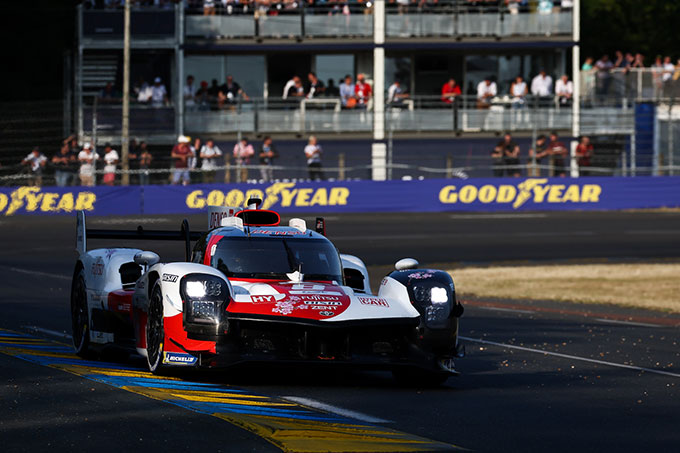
{"x": 243, "y": 151}
{"x": 558, "y": 154}
{"x": 584, "y": 152}
{"x": 537, "y": 154}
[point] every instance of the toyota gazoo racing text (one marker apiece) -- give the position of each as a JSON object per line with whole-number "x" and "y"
{"x": 253, "y": 291}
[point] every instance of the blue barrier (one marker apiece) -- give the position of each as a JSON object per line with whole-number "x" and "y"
{"x": 526, "y": 194}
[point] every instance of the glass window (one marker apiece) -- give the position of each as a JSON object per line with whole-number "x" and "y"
{"x": 334, "y": 67}
{"x": 398, "y": 68}
{"x": 249, "y": 71}
{"x": 479, "y": 67}
{"x": 204, "y": 68}
{"x": 259, "y": 257}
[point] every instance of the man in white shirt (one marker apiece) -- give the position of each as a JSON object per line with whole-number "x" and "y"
{"x": 87, "y": 158}
{"x": 541, "y": 85}
{"x": 290, "y": 84}
{"x": 111, "y": 160}
{"x": 486, "y": 90}
{"x": 396, "y": 94}
{"x": 36, "y": 161}
{"x": 159, "y": 95}
{"x": 210, "y": 153}
{"x": 564, "y": 89}
{"x": 190, "y": 94}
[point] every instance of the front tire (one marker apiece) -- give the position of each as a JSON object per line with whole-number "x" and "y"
{"x": 155, "y": 333}
{"x": 80, "y": 320}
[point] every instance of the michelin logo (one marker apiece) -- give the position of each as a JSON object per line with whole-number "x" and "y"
{"x": 176, "y": 358}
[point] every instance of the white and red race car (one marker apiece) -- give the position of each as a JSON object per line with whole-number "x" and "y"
{"x": 253, "y": 291}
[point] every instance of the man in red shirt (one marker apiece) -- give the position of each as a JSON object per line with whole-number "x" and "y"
{"x": 362, "y": 90}
{"x": 450, "y": 90}
{"x": 558, "y": 153}
{"x": 584, "y": 151}
{"x": 181, "y": 153}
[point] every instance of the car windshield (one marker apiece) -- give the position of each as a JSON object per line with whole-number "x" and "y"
{"x": 244, "y": 257}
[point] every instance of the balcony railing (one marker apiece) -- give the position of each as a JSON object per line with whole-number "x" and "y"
{"x": 145, "y": 23}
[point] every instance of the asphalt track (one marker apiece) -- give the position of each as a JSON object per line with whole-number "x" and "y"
{"x": 538, "y": 376}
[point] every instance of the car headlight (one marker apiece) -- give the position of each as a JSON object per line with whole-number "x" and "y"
{"x": 203, "y": 296}
{"x": 434, "y": 302}
{"x": 430, "y": 294}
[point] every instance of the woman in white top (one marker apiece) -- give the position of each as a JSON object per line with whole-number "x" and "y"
{"x": 87, "y": 158}
{"x": 313, "y": 154}
{"x": 518, "y": 91}
{"x": 111, "y": 160}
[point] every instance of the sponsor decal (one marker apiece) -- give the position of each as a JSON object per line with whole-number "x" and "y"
{"x": 321, "y": 302}
{"x": 375, "y": 301}
{"x": 324, "y": 307}
{"x": 420, "y": 275}
{"x": 316, "y": 293}
{"x": 98, "y": 268}
{"x": 326, "y": 313}
{"x": 278, "y": 232}
{"x": 281, "y": 194}
{"x": 172, "y": 278}
{"x": 177, "y": 358}
{"x": 34, "y": 199}
{"x": 536, "y": 189}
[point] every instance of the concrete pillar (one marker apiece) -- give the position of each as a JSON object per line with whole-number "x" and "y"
{"x": 379, "y": 149}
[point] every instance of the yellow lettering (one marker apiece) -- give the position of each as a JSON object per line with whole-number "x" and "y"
{"x": 234, "y": 198}
{"x": 467, "y": 194}
{"x": 48, "y": 202}
{"x": 448, "y": 195}
{"x": 539, "y": 193}
{"x": 591, "y": 193}
{"x": 555, "y": 193}
{"x": 287, "y": 196}
{"x": 506, "y": 193}
{"x": 215, "y": 198}
{"x": 3, "y": 201}
{"x": 320, "y": 197}
{"x": 18, "y": 197}
{"x": 66, "y": 202}
{"x": 303, "y": 197}
{"x": 254, "y": 193}
{"x": 85, "y": 201}
{"x": 487, "y": 193}
{"x": 273, "y": 192}
{"x": 33, "y": 200}
{"x": 338, "y": 196}
{"x": 571, "y": 194}
{"x": 195, "y": 200}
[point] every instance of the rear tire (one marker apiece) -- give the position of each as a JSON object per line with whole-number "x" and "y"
{"x": 155, "y": 333}
{"x": 80, "y": 319}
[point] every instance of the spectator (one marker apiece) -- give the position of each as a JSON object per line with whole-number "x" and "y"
{"x": 557, "y": 152}
{"x": 190, "y": 94}
{"x": 145, "y": 159}
{"x": 230, "y": 93}
{"x": 486, "y": 90}
{"x": 518, "y": 92}
{"x": 142, "y": 90}
{"x": 450, "y": 91}
{"x": 538, "y": 154}
{"x": 64, "y": 162}
{"x": 313, "y": 154}
{"x": 316, "y": 86}
{"x": 297, "y": 91}
{"x": 564, "y": 89}
{"x": 290, "y": 84}
{"x": 35, "y": 161}
{"x": 396, "y": 94}
{"x": 267, "y": 155}
{"x": 542, "y": 85}
{"x": 111, "y": 160}
{"x": 603, "y": 75}
{"x": 88, "y": 159}
{"x": 362, "y": 92}
{"x": 506, "y": 153}
{"x": 210, "y": 153}
{"x": 159, "y": 95}
{"x": 209, "y": 7}
{"x": 347, "y": 93}
{"x": 181, "y": 153}
{"x": 108, "y": 94}
{"x": 667, "y": 77}
{"x": 243, "y": 151}
{"x": 639, "y": 61}
{"x": 202, "y": 98}
{"x": 331, "y": 89}
{"x": 584, "y": 152}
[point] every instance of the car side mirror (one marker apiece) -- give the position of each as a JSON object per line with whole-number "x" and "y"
{"x": 147, "y": 258}
{"x": 406, "y": 263}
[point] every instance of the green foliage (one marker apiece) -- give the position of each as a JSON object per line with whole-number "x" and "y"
{"x": 645, "y": 26}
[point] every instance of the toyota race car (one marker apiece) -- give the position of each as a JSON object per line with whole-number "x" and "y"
{"x": 253, "y": 291}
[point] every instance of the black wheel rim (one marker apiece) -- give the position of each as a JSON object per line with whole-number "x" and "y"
{"x": 79, "y": 314}
{"x": 154, "y": 328}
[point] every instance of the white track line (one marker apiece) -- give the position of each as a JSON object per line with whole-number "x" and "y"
{"x": 37, "y": 273}
{"x": 53, "y": 333}
{"x": 627, "y": 323}
{"x": 572, "y": 357}
{"x": 510, "y": 310}
{"x": 335, "y": 410}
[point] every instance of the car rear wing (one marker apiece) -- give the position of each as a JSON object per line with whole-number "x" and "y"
{"x": 184, "y": 234}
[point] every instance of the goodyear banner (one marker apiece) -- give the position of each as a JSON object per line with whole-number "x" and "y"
{"x": 521, "y": 194}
